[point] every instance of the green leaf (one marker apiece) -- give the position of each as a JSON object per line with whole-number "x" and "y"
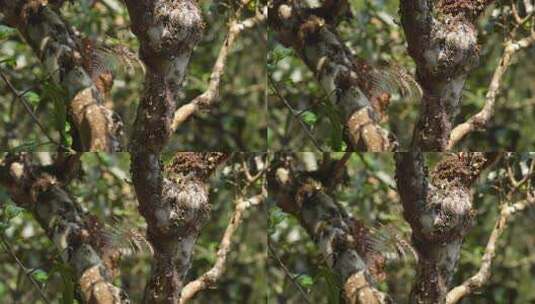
{"x": 67, "y": 275}
{"x": 32, "y": 98}
{"x": 12, "y": 211}
{"x": 55, "y": 93}
{"x": 6, "y": 31}
{"x": 10, "y": 62}
{"x": 276, "y": 216}
{"x": 279, "y": 53}
{"x": 3, "y": 226}
{"x": 336, "y": 139}
{"x": 309, "y": 118}
{"x": 305, "y": 280}
{"x": 68, "y": 291}
{"x": 40, "y": 275}
{"x": 333, "y": 281}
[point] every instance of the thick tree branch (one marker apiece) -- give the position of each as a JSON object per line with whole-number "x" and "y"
{"x": 481, "y": 119}
{"x": 442, "y": 40}
{"x": 209, "y": 97}
{"x": 76, "y": 235}
{"x": 438, "y": 206}
{"x": 347, "y": 80}
{"x": 483, "y": 275}
{"x": 59, "y": 50}
{"x": 342, "y": 240}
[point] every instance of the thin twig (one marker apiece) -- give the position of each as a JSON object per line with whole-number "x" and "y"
{"x": 23, "y": 268}
{"x": 295, "y": 113}
{"x": 208, "y": 98}
{"x": 483, "y": 275}
{"x": 211, "y": 276}
{"x": 482, "y": 118}
{"x": 288, "y": 274}
{"x": 27, "y": 107}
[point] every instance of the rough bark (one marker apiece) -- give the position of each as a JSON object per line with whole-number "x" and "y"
{"x": 174, "y": 202}
{"x": 76, "y": 235}
{"x": 342, "y": 240}
{"x": 438, "y": 206}
{"x": 167, "y": 32}
{"x": 60, "y": 51}
{"x": 442, "y": 40}
{"x": 310, "y": 30}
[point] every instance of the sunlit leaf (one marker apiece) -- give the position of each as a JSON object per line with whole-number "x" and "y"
{"x": 305, "y": 280}
{"x": 10, "y": 62}
{"x": 40, "y": 275}
{"x": 12, "y": 211}
{"x": 32, "y": 98}
{"x": 309, "y": 118}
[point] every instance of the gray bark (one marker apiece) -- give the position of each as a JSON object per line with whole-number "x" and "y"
{"x": 97, "y": 128}
{"x": 442, "y": 40}
{"x": 438, "y": 206}
{"x": 341, "y": 239}
{"x": 76, "y": 235}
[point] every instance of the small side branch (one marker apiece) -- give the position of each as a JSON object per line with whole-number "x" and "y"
{"x": 27, "y": 108}
{"x": 209, "y": 97}
{"x": 23, "y": 268}
{"x": 211, "y": 276}
{"x": 483, "y": 275}
{"x": 481, "y": 119}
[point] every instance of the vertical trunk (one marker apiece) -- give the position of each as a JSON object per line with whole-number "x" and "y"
{"x": 440, "y": 213}
{"x": 442, "y": 40}
{"x": 174, "y": 208}
{"x": 174, "y": 202}
{"x": 167, "y": 31}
